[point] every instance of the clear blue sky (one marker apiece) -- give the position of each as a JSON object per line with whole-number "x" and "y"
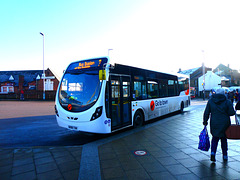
{"x": 155, "y": 34}
{"x": 68, "y": 26}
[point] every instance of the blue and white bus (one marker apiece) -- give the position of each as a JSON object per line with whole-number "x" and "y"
{"x": 95, "y": 96}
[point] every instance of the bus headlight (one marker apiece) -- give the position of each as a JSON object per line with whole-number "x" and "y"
{"x": 97, "y": 113}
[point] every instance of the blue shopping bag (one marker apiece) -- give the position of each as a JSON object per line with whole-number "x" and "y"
{"x": 204, "y": 143}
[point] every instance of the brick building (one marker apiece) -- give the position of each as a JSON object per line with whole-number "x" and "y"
{"x": 194, "y": 74}
{"x": 12, "y": 83}
{"x": 230, "y": 77}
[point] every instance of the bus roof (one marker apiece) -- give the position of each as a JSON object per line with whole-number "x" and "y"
{"x": 130, "y": 70}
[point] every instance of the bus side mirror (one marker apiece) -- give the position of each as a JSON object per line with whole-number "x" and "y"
{"x": 102, "y": 74}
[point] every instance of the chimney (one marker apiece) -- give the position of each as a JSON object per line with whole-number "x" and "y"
{"x": 20, "y": 82}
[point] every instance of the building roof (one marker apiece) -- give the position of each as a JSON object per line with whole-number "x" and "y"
{"x": 189, "y": 71}
{"x": 13, "y": 76}
{"x": 226, "y": 78}
{"x": 223, "y": 70}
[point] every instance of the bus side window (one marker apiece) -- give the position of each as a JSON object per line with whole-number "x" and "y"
{"x": 183, "y": 84}
{"x": 172, "y": 88}
{"x": 176, "y": 88}
{"x": 153, "y": 90}
{"x": 139, "y": 90}
{"x": 163, "y": 88}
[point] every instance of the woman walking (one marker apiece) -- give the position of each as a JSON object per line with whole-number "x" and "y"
{"x": 219, "y": 109}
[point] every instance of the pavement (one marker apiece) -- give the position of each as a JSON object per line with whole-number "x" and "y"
{"x": 16, "y": 109}
{"x": 163, "y": 149}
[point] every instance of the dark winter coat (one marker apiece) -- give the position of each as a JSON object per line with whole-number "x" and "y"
{"x": 237, "y": 107}
{"x": 219, "y": 109}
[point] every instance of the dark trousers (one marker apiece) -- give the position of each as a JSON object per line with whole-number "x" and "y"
{"x": 223, "y": 145}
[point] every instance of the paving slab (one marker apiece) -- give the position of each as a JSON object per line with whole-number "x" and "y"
{"x": 40, "y": 163}
{"x": 165, "y": 149}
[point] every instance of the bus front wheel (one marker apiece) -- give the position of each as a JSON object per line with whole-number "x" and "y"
{"x": 138, "y": 119}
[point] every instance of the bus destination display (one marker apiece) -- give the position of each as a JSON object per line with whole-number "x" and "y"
{"x": 88, "y": 64}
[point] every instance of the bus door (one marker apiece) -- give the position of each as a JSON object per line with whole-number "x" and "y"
{"x": 120, "y": 101}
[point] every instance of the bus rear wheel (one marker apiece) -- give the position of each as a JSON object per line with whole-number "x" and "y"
{"x": 182, "y": 107}
{"x": 138, "y": 119}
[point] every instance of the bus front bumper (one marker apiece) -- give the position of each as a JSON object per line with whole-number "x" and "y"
{"x": 96, "y": 126}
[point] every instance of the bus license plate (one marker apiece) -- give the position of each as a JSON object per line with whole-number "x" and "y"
{"x": 72, "y": 127}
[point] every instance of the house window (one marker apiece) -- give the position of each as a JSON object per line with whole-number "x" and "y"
{"x": 10, "y": 89}
{"x": 48, "y": 85}
{"x": 32, "y": 87}
{"x": 7, "y": 89}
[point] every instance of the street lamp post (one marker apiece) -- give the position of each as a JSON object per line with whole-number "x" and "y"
{"x": 43, "y": 76}
{"x": 203, "y": 71}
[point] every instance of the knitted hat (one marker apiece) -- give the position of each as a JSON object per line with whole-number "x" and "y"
{"x": 220, "y": 91}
